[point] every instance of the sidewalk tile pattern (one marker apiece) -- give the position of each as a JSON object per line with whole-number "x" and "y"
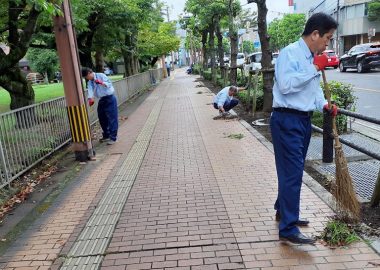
{"x": 98, "y": 231}
{"x": 41, "y": 245}
{"x": 175, "y": 216}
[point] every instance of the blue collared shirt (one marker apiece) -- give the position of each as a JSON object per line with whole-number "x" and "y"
{"x": 98, "y": 90}
{"x": 297, "y": 80}
{"x": 222, "y": 97}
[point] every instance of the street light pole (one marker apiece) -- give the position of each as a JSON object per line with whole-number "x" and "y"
{"x": 71, "y": 76}
{"x": 337, "y": 29}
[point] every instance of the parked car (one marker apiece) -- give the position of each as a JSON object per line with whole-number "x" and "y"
{"x": 332, "y": 58}
{"x": 226, "y": 61}
{"x": 254, "y": 61}
{"x": 362, "y": 57}
{"x": 240, "y": 59}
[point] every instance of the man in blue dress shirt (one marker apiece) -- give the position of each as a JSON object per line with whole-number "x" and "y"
{"x": 296, "y": 94}
{"x": 100, "y": 86}
{"x": 224, "y": 101}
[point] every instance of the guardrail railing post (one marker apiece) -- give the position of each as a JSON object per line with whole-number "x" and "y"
{"x": 328, "y": 141}
{"x": 4, "y": 165}
{"x": 375, "y": 200}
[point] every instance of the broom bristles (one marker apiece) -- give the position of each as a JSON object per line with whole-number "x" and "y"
{"x": 344, "y": 191}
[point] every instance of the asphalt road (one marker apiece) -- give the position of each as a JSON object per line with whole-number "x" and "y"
{"x": 366, "y": 88}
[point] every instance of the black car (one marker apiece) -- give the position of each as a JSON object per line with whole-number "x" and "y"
{"x": 361, "y": 57}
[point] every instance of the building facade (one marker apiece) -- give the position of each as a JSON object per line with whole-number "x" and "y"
{"x": 352, "y": 16}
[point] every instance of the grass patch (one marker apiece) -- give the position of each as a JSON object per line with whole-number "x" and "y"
{"x": 236, "y": 136}
{"x": 43, "y": 92}
{"x": 338, "y": 233}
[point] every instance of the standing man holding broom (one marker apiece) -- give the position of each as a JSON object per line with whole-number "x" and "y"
{"x": 296, "y": 94}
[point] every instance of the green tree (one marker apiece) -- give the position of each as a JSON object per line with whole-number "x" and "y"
{"x": 248, "y": 47}
{"x": 153, "y": 44}
{"x": 43, "y": 61}
{"x": 284, "y": 31}
{"x": 374, "y": 10}
{"x": 208, "y": 16}
{"x": 18, "y": 21}
{"x": 226, "y": 46}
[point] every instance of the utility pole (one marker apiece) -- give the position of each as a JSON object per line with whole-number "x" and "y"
{"x": 337, "y": 29}
{"x": 72, "y": 81}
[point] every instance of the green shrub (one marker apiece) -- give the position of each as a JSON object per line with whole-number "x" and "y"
{"x": 197, "y": 69}
{"x": 342, "y": 96}
{"x": 207, "y": 75}
{"x": 247, "y": 102}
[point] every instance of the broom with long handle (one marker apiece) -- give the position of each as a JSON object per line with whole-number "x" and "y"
{"x": 344, "y": 191}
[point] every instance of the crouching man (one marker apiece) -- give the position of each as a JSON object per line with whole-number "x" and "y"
{"x": 224, "y": 101}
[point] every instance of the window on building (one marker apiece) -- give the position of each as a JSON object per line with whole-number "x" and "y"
{"x": 359, "y": 10}
{"x": 350, "y": 12}
{"x": 366, "y": 9}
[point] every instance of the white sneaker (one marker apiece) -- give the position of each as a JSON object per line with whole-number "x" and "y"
{"x": 111, "y": 142}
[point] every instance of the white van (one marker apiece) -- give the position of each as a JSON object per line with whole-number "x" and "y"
{"x": 254, "y": 61}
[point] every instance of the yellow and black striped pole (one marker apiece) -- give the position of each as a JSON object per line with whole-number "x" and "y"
{"x": 80, "y": 131}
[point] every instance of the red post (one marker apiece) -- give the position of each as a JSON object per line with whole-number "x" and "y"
{"x": 71, "y": 76}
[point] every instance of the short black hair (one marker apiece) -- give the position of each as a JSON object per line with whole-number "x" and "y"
{"x": 233, "y": 89}
{"x": 321, "y": 22}
{"x": 86, "y": 71}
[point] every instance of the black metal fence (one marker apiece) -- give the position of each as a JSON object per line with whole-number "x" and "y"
{"x": 328, "y": 144}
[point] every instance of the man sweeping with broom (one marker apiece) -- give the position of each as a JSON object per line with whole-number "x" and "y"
{"x": 296, "y": 94}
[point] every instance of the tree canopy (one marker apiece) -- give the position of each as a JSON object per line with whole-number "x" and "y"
{"x": 132, "y": 30}
{"x": 284, "y": 31}
{"x": 374, "y": 10}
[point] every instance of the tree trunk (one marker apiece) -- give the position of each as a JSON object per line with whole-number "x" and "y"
{"x": 21, "y": 93}
{"x": 204, "y": 49}
{"x": 220, "y": 47}
{"x": 99, "y": 61}
{"x": 128, "y": 64}
{"x": 211, "y": 45}
{"x": 85, "y": 58}
{"x": 154, "y": 61}
{"x": 268, "y": 72}
{"x": 136, "y": 65}
{"x": 84, "y": 51}
{"x": 234, "y": 44}
{"x": 20, "y": 90}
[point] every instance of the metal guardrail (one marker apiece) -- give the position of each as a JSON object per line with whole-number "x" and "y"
{"x": 30, "y": 134}
{"x": 328, "y": 148}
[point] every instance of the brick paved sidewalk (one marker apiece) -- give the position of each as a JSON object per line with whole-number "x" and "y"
{"x": 199, "y": 200}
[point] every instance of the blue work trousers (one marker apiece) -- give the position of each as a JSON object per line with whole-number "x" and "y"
{"x": 108, "y": 116}
{"x": 228, "y": 105}
{"x": 291, "y": 137}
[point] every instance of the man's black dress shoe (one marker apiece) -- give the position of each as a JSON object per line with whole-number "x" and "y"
{"x": 300, "y": 222}
{"x": 298, "y": 238}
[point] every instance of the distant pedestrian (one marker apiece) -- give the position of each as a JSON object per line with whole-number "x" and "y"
{"x": 100, "y": 86}
{"x": 296, "y": 94}
{"x": 167, "y": 68}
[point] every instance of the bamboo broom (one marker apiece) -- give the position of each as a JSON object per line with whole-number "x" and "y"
{"x": 344, "y": 192}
